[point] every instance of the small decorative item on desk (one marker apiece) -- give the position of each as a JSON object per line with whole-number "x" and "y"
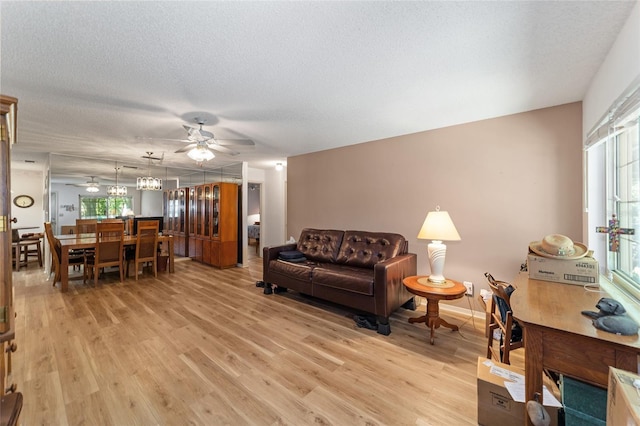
{"x": 611, "y": 317}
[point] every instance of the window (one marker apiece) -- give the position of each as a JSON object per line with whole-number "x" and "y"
{"x": 104, "y": 207}
{"x": 613, "y": 188}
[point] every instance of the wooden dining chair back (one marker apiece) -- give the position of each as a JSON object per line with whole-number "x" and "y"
{"x": 86, "y": 226}
{"x": 55, "y": 253}
{"x": 75, "y": 258}
{"x": 67, "y": 229}
{"x": 501, "y": 318}
{"x": 109, "y": 250}
{"x": 147, "y": 245}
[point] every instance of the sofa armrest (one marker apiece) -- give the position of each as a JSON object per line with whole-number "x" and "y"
{"x": 389, "y": 291}
{"x": 271, "y": 253}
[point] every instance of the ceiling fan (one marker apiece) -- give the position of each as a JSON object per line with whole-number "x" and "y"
{"x": 202, "y": 143}
{"x": 91, "y": 182}
{"x": 91, "y": 185}
{"x": 150, "y": 157}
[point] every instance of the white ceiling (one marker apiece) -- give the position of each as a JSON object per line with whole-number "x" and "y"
{"x": 109, "y": 80}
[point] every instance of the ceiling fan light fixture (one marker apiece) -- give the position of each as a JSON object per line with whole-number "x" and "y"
{"x": 201, "y": 153}
{"x": 92, "y": 189}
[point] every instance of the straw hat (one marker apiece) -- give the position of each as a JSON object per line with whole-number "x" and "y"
{"x": 558, "y": 246}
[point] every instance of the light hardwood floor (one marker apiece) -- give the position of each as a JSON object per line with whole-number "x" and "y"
{"x": 206, "y": 346}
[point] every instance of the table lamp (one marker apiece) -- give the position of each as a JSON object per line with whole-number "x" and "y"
{"x": 437, "y": 227}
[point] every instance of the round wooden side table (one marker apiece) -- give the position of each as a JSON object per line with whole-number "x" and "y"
{"x": 434, "y": 293}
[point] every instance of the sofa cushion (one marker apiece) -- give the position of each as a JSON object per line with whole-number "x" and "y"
{"x": 348, "y": 278}
{"x": 298, "y": 271}
{"x": 365, "y": 249}
{"x": 320, "y": 245}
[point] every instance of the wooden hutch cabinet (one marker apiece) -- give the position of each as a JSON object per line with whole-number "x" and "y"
{"x": 203, "y": 220}
{"x": 216, "y": 224}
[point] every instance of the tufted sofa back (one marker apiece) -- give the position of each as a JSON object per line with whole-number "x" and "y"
{"x": 354, "y": 248}
{"x": 365, "y": 249}
{"x": 320, "y": 245}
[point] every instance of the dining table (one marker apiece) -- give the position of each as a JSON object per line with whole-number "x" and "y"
{"x": 69, "y": 242}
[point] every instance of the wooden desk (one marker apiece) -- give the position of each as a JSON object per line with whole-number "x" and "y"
{"x": 434, "y": 294}
{"x": 87, "y": 241}
{"x": 559, "y": 338}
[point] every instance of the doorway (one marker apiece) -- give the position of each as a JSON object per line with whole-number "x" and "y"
{"x": 253, "y": 219}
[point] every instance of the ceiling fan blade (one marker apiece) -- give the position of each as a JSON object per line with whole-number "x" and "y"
{"x": 164, "y": 139}
{"x": 222, "y": 149}
{"x": 236, "y": 142}
{"x": 187, "y": 148}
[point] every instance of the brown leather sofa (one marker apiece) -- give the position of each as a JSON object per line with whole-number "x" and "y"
{"x": 358, "y": 269}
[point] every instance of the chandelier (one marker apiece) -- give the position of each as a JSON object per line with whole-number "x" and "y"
{"x": 201, "y": 153}
{"x": 116, "y": 190}
{"x": 149, "y": 183}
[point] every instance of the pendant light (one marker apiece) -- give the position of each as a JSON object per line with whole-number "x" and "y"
{"x": 149, "y": 183}
{"x": 116, "y": 190}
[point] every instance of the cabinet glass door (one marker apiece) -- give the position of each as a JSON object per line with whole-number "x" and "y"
{"x": 192, "y": 211}
{"x": 181, "y": 210}
{"x": 199, "y": 209}
{"x": 172, "y": 211}
{"x": 207, "y": 211}
{"x": 165, "y": 210}
{"x": 216, "y": 210}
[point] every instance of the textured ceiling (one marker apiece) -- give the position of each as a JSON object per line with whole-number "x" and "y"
{"x": 113, "y": 80}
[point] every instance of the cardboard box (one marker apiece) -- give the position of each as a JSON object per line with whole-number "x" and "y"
{"x": 580, "y": 271}
{"x": 623, "y": 399}
{"x": 495, "y": 405}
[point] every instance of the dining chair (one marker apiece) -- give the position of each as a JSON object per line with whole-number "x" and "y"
{"x": 75, "y": 259}
{"x": 146, "y": 246}
{"x": 32, "y": 246}
{"x": 18, "y": 250}
{"x": 86, "y": 226}
{"x": 109, "y": 250}
{"x": 501, "y": 318}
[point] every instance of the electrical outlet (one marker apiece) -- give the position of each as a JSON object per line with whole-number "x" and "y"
{"x": 469, "y": 286}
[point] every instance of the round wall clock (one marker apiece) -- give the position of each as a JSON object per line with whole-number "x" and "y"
{"x": 23, "y": 201}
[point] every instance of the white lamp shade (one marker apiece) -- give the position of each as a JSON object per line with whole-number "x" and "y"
{"x": 438, "y": 226}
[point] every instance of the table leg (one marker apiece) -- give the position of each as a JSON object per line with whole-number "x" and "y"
{"x": 432, "y": 319}
{"x": 64, "y": 269}
{"x": 532, "y": 364}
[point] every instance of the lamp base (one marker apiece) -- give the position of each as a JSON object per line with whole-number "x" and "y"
{"x": 437, "y": 252}
{"x": 427, "y": 282}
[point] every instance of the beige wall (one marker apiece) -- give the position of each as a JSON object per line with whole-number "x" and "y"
{"x": 504, "y": 181}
